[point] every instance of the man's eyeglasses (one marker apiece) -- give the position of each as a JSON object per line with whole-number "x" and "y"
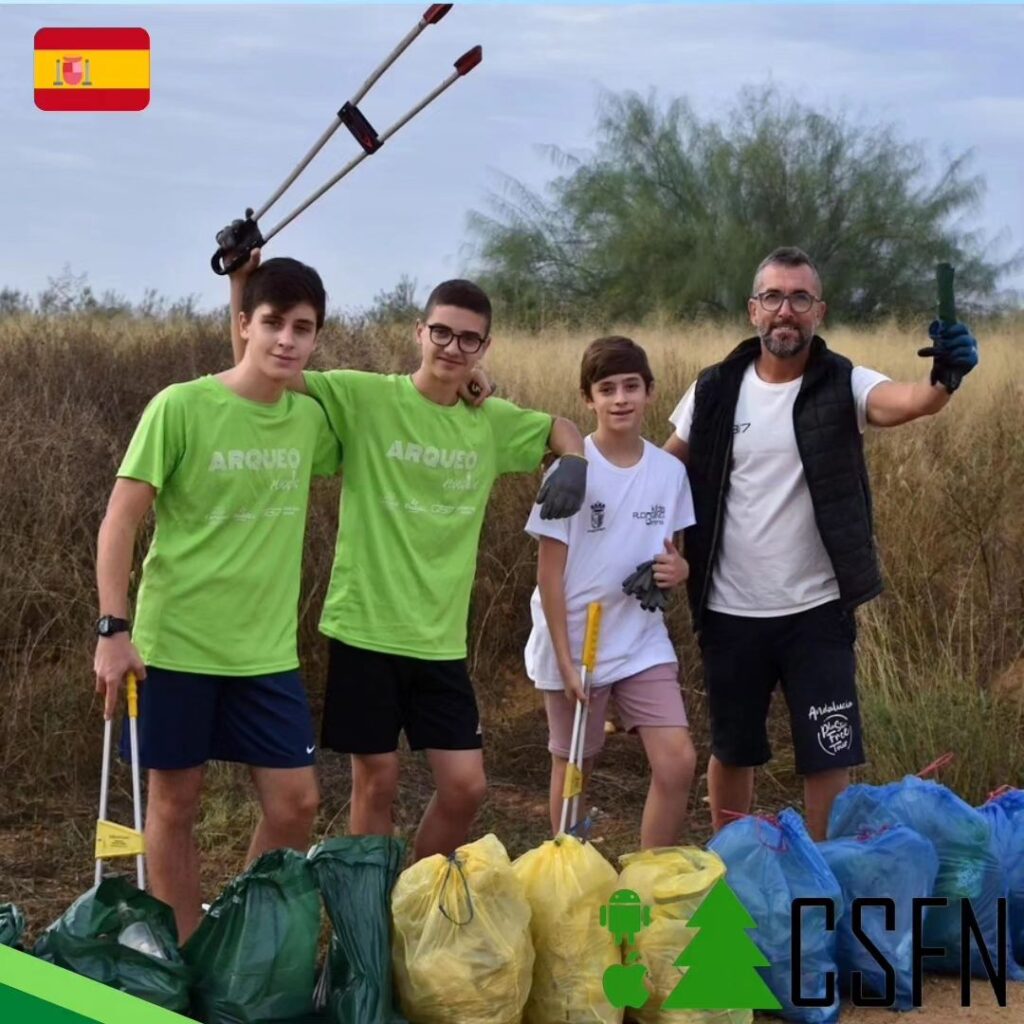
{"x": 799, "y": 302}
{"x": 468, "y": 341}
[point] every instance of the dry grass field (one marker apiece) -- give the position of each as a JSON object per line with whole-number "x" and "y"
{"x": 941, "y": 652}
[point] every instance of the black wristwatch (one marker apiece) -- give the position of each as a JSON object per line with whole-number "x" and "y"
{"x": 108, "y": 625}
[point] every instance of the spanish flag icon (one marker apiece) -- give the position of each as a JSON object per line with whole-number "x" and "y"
{"x": 92, "y": 69}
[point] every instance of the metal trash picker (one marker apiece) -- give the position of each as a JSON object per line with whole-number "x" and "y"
{"x": 242, "y": 236}
{"x": 573, "y": 787}
{"x": 113, "y": 840}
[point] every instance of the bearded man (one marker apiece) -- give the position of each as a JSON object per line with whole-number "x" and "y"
{"x": 783, "y": 549}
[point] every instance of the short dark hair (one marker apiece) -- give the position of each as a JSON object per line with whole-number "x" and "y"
{"x": 613, "y": 354}
{"x": 461, "y": 293}
{"x": 786, "y": 256}
{"x": 283, "y": 283}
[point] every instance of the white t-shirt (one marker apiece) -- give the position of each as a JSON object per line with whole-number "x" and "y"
{"x": 771, "y": 558}
{"x": 626, "y": 517}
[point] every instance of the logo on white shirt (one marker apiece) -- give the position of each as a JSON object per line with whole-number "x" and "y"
{"x": 596, "y": 517}
{"x": 654, "y": 516}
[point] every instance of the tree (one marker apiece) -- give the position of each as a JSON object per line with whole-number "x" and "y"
{"x": 13, "y": 302}
{"x": 672, "y": 214}
{"x": 397, "y": 305}
{"x": 722, "y": 960}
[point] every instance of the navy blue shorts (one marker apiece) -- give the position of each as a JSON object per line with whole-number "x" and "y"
{"x": 811, "y": 656}
{"x": 187, "y": 719}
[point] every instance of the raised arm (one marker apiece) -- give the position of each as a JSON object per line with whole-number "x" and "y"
{"x": 894, "y": 402}
{"x": 237, "y": 284}
{"x": 129, "y": 502}
{"x": 954, "y": 353}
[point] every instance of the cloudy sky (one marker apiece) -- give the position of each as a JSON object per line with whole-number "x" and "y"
{"x": 239, "y": 93}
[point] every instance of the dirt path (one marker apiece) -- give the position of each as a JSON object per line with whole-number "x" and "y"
{"x": 940, "y": 1004}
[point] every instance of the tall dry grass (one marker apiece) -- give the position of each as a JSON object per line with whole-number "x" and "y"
{"x": 948, "y": 492}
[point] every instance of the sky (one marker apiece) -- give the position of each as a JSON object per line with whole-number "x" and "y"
{"x": 240, "y": 93}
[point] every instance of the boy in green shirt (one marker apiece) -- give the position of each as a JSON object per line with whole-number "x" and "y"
{"x": 419, "y": 467}
{"x": 226, "y": 460}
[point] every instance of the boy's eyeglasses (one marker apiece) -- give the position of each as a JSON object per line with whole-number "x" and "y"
{"x": 799, "y": 302}
{"x": 468, "y": 341}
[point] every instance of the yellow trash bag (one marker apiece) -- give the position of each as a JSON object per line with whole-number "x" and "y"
{"x": 672, "y": 881}
{"x": 567, "y": 882}
{"x": 461, "y": 946}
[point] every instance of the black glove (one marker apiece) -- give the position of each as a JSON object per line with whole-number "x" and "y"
{"x": 561, "y": 494}
{"x": 955, "y": 353}
{"x": 640, "y": 584}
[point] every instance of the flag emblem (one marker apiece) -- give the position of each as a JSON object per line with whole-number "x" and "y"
{"x": 92, "y": 69}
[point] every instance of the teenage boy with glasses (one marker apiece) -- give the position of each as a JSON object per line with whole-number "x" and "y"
{"x": 419, "y": 465}
{"x": 783, "y": 549}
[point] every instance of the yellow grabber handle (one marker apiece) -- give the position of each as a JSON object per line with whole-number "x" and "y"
{"x": 591, "y": 635}
{"x": 133, "y": 696}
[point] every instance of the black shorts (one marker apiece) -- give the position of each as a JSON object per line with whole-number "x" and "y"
{"x": 373, "y": 696}
{"x": 811, "y": 655}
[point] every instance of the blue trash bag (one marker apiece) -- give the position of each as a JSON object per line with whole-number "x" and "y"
{"x": 894, "y": 863}
{"x": 1005, "y": 813}
{"x": 769, "y": 866}
{"x": 969, "y": 868}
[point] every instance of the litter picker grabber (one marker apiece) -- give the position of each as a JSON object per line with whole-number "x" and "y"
{"x": 113, "y": 840}
{"x": 574, "y": 769}
{"x": 242, "y": 236}
{"x": 949, "y": 376}
{"x": 944, "y": 282}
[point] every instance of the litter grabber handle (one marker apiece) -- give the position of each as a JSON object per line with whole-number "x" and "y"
{"x": 113, "y": 840}
{"x": 240, "y": 237}
{"x": 591, "y": 635}
{"x": 944, "y": 281}
{"x": 573, "y": 787}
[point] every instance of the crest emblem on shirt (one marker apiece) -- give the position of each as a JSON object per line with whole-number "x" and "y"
{"x": 596, "y": 517}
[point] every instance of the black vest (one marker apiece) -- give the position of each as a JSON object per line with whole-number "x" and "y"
{"x": 832, "y": 452}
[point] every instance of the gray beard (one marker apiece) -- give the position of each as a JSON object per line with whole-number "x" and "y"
{"x": 786, "y": 349}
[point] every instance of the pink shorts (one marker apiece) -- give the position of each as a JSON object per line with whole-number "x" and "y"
{"x": 649, "y": 698}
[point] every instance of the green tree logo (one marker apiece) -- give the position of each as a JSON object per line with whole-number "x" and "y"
{"x": 722, "y": 960}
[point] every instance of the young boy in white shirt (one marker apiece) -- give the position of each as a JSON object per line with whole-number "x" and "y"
{"x": 636, "y": 500}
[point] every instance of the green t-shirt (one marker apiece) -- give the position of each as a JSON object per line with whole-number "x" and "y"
{"x": 220, "y": 584}
{"x": 416, "y": 482}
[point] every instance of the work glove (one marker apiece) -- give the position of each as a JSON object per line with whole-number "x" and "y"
{"x": 640, "y": 584}
{"x": 954, "y": 351}
{"x": 561, "y": 494}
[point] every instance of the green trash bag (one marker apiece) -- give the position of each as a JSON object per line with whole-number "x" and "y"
{"x": 355, "y": 875}
{"x": 253, "y": 956}
{"x": 124, "y": 938}
{"x": 12, "y": 925}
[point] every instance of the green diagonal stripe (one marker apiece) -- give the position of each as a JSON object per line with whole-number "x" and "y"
{"x": 20, "y": 1008}
{"x": 22, "y": 975}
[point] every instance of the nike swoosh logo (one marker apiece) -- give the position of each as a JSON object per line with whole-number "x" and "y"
{"x": 309, "y": 750}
